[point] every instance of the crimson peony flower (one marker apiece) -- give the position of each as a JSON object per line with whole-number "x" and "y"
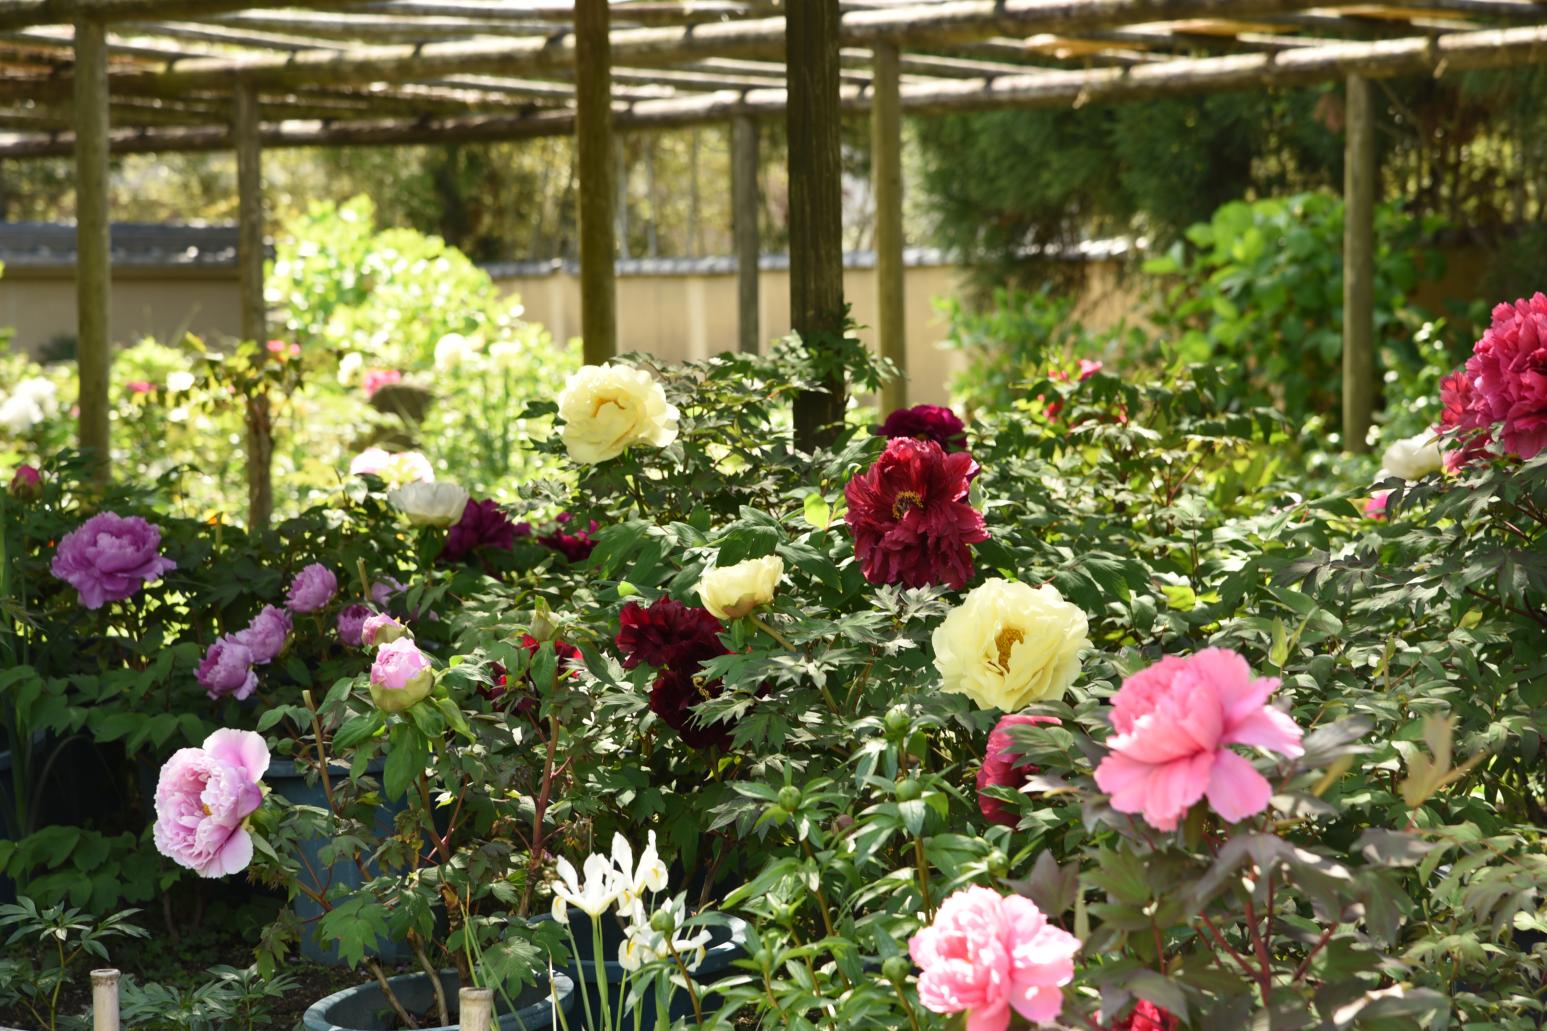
{"x": 1462, "y": 414}
{"x": 525, "y": 701}
{"x": 1508, "y": 369}
{"x": 910, "y": 517}
{"x": 483, "y": 525}
{"x": 1003, "y": 768}
{"x": 927, "y": 422}
{"x": 576, "y": 547}
{"x": 1146, "y": 1016}
{"x": 668, "y": 633}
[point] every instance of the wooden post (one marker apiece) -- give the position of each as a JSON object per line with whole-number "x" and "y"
{"x": 886, "y": 175}
{"x": 93, "y": 275}
{"x": 1358, "y": 266}
{"x": 254, "y": 311}
{"x": 104, "y": 1000}
{"x": 816, "y": 207}
{"x": 593, "y": 140}
{"x": 475, "y": 1007}
{"x": 744, "y": 224}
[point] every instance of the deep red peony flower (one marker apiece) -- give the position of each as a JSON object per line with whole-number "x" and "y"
{"x": 672, "y": 698}
{"x": 1003, "y": 768}
{"x": 927, "y": 422}
{"x": 526, "y": 701}
{"x": 668, "y": 633}
{"x": 910, "y": 517}
{"x": 577, "y": 546}
{"x": 483, "y": 525}
{"x": 1508, "y": 370}
{"x": 1146, "y": 1016}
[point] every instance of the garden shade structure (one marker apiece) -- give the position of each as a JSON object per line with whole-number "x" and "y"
{"x": 98, "y": 77}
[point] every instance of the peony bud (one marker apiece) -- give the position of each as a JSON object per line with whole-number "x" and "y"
{"x": 400, "y": 676}
{"x": 26, "y": 483}
{"x": 380, "y": 629}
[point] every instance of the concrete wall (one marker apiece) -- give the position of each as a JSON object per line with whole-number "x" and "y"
{"x": 39, "y": 304}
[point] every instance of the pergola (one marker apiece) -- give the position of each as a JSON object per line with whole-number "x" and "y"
{"x": 97, "y": 77}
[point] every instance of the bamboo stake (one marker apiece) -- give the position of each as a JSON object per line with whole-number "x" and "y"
{"x": 476, "y": 1009}
{"x": 254, "y": 311}
{"x": 104, "y": 1000}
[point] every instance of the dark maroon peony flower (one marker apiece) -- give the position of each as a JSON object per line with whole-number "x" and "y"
{"x": 1003, "y": 768}
{"x": 1146, "y": 1016}
{"x": 577, "y": 546}
{"x": 927, "y": 422}
{"x": 910, "y": 517}
{"x": 672, "y": 697}
{"x": 483, "y": 525}
{"x": 668, "y": 633}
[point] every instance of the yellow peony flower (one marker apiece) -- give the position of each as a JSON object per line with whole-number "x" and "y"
{"x": 733, "y": 591}
{"x": 608, "y": 408}
{"x": 1009, "y": 644}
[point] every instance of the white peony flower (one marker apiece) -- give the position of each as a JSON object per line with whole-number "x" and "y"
{"x": 1009, "y": 644}
{"x": 731, "y": 592}
{"x": 429, "y": 504}
{"x": 1414, "y": 457}
{"x": 608, "y": 408}
{"x": 453, "y": 349}
{"x": 179, "y": 380}
{"x": 395, "y": 468}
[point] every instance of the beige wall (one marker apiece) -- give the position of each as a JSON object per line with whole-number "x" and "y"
{"x": 39, "y": 304}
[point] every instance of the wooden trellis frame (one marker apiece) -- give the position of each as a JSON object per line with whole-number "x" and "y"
{"x": 90, "y": 77}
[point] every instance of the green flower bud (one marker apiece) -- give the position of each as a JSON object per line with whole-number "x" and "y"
{"x": 895, "y": 969}
{"x": 789, "y": 797}
{"x": 908, "y": 789}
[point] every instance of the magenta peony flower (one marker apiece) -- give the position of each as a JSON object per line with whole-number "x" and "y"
{"x": 1175, "y": 722}
{"x": 1088, "y": 368}
{"x": 667, "y": 633}
{"x": 927, "y": 422}
{"x": 577, "y": 546}
{"x": 400, "y": 675}
{"x": 1375, "y": 505}
{"x": 267, "y": 635}
{"x": 226, "y": 669}
{"x": 351, "y": 624}
{"x": 26, "y": 483}
{"x": 1508, "y": 368}
{"x": 910, "y": 517}
{"x": 379, "y": 629}
{"x": 110, "y": 557}
{"x": 203, "y": 800}
{"x": 989, "y": 954}
{"x": 1461, "y": 415}
{"x": 375, "y": 379}
{"x": 312, "y": 589}
{"x": 483, "y": 525}
{"x": 1003, "y": 768}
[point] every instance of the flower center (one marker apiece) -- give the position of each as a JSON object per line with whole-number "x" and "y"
{"x": 906, "y": 501}
{"x": 1007, "y": 639}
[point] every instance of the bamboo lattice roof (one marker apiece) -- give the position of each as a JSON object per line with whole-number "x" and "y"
{"x": 354, "y": 72}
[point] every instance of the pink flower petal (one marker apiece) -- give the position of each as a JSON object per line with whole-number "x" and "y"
{"x": 1268, "y": 728}
{"x": 1236, "y": 790}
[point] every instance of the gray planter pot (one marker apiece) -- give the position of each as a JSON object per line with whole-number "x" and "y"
{"x": 365, "y": 1008}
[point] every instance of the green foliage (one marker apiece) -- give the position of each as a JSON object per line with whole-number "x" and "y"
{"x": 56, "y": 938}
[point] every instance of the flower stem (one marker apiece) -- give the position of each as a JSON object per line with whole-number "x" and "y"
{"x": 923, "y": 868}
{"x": 698, "y": 1009}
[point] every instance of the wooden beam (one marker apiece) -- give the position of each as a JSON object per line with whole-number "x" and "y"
{"x": 813, "y": 121}
{"x": 17, "y": 14}
{"x": 1358, "y": 265}
{"x": 886, "y": 177}
{"x": 593, "y": 141}
{"x": 745, "y": 207}
{"x": 93, "y": 273}
{"x": 254, "y": 310}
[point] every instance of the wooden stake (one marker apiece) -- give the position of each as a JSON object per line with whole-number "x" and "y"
{"x": 254, "y": 310}
{"x": 744, "y": 225}
{"x": 475, "y": 1007}
{"x": 1358, "y": 266}
{"x": 816, "y": 208}
{"x": 593, "y": 137}
{"x": 886, "y": 175}
{"x": 104, "y": 1000}
{"x": 93, "y": 273}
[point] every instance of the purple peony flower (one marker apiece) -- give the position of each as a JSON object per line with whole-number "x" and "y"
{"x": 110, "y": 557}
{"x": 312, "y": 588}
{"x": 267, "y": 635}
{"x": 380, "y": 629}
{"x": 927, "y": 422}
{"x": 483, "y": 525}
{"x": 351, "y": 623}
{"x": 382, "y": 591}
{"x": 226, "y": 669}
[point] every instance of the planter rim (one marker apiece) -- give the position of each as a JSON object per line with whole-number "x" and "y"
{"x": 316, "y": 1013}
{"x": 289, "y": 767}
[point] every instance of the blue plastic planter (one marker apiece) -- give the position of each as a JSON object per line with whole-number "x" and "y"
{"x": 365, "y": 1008}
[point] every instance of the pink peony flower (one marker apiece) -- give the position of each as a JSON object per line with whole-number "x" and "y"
{"x": 400, "y": 676}
{"x": 140, "y": 386}
{"x": 312, "y": 589}
{"x": 26, "y": 483}
{"x": 383, "y": 591}
{"x": 110, "y": 557}
{"x": 1175, "y": 722}
{"x": 375, "y": 379}
{"x": 1461, "y": 415}
{"x": 267, "y": 635}
{"x": 1375, "y": 506}
{"x": 1508, "y": 368}
{"x": 351, "y": 624}
{"x": 1088, "y": 368}
{"x": 1146, "y": 1016}
{"x": 988, "y": 954}
{"x": 380, "y": 628}
{"x": 226, "y": 669}
{"x": 1003, "y": 768}
{"x": 203, "y": 800}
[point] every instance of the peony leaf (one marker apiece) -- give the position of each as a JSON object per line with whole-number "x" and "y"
{"x": 817, "y": 511}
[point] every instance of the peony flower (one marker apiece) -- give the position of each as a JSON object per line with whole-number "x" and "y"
{"x": 110, "y": 557}
{"x": 675, "y": 693}
{"x": 1146, "y": 1016}
{"x": 566, "y": 655}
{"x": 267, "y": 635}
{"x": 1009, "y": 644}
{"x": 910, "y": 517}
{"x": 400, "y": 675}
{"x": 226, "y": 669}
{"x": 393, "y": 468}
{"x": 1375, "y": 505}
{"x": 1003, "y": 768}
{"x": 312, "y": 589}
{"x": 454, "y": 348}
{"x": 731, "y": 592}
{"x": 1088, "y": 368}
{"x": 483, "y": 525}
{"x": 1508, "y": 369}
{"x": 987, "y": 955}
{"x": 1175, "y": 722}
{"x": 351, "y": 624}
{"x": 30, "y": 402}
{"x": 429, "y": 504}
{"x": 1413, "y": 458}
{"x": 375, "y": 379}
{"x": 927, "y": 422}
{"x": 576, "y": 547}
{"x": 1460, "y": 416}
{"x": 379, "y": 629}
{"x": 609, "y": 408}
{"x": 383, "y": 591}
{"x": 180, "y": 380}
{"x": 26, "y": 483}
{"x": 667, "y": 633}
{"x": 203, "y": 800}
{"x": 139, "y": 386}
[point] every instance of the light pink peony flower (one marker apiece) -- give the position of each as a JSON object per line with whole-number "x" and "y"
{"x": 400, "y": 676}
{"x": 1175, "y": 722}
{"x": 312, "y": 588}
{"x": 988, "y": 954}
{"x": 375, "y": 379}
{"x": 1508, "y": 368}
{"x": 267, "y": 635}
{"x": 380, "y": 628}
{"x": 203, "y": 800}
{"x": 226, "y": 669}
